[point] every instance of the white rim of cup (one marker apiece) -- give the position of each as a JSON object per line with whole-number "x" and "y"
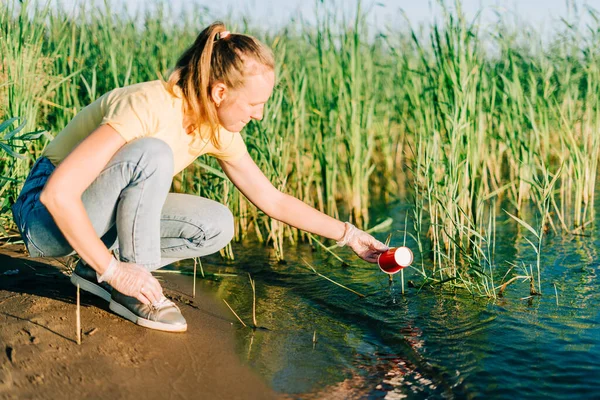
{"x": 398, "y": 254}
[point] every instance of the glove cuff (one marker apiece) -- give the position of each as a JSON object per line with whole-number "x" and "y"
{"x": 348, "y": 235}
{"x": 110, "y": 271}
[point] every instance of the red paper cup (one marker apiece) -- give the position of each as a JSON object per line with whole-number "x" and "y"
{"x": 395, "y": 259}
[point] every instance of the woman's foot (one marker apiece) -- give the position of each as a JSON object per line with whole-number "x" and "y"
{"x": 163, "y": 315}
{"x": 86, "y": 278}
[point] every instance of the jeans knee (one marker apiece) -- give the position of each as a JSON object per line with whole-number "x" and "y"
{"x": 213, "y": 234}
{"x": 194, "y": 226}
{"x": 226, "y": 223}
{"x": 220, "y": 232}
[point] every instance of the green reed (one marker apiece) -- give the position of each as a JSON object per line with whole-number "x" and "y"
{"x": 463, "y": 121}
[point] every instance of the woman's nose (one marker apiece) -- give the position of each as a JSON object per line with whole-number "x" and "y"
{"x": 258, "y": 115}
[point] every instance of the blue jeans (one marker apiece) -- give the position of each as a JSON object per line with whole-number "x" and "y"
{"x": 131, "y": 209}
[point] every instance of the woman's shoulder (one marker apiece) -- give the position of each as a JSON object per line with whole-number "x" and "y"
{"x": 149, "y": 97}
{"x": 151, "y": 90}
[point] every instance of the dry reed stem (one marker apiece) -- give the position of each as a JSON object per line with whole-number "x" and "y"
{"x": 194, "y": 284}
{"x": 78, "y": 318}
{"x": 253, "y": 301}
{"x": 167, "y": 271}
{"x": 325, "y": 247}
{"x": 331, "y": 280}
{"x": 511, "y": 280}
{"x": 234, "y": 313}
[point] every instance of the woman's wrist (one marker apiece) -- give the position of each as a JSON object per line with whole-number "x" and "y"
{"x": 342, "y": 227}
{"x": 349, "y": 231}
{"x": 109, "y": 271}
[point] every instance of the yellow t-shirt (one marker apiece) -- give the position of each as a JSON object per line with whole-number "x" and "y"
{"x": 145, "y": 110}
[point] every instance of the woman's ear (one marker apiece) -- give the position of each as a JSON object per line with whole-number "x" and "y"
{"x": 218, "y": 93}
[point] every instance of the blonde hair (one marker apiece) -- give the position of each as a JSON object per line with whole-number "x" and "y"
{"x": 215, "y": 56}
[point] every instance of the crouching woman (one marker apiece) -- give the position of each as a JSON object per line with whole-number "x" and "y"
{"x": 103, "y": 183}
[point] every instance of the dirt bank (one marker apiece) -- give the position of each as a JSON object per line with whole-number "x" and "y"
{"x": 117, "y": 359}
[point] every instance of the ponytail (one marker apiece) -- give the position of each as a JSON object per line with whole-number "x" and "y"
{"x": 216, "y": 55}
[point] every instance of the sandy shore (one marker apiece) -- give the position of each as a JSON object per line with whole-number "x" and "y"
{"x": 117, "y": 359}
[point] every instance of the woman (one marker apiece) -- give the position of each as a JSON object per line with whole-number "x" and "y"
{"x": 103, "y": 182}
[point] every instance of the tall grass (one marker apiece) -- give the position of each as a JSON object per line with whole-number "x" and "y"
{"x": 463, "y": 121}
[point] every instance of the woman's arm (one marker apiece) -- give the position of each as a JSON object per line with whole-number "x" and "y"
{"x": 62, "y": 194}
{"x": 249, "y": 179}
{"x": 62, "y": 197}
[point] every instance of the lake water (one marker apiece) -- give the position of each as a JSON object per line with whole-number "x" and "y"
{"x": 423, "y": 344}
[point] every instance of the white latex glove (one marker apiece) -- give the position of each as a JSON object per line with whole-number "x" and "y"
{"x": 364, "y": 245}
{"x": 132, "y": 280}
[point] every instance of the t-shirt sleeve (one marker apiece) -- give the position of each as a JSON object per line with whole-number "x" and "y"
{"x": 130, "y": 114}
{"x": 232, "y": 146}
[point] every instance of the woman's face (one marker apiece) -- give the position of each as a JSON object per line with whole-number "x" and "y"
{"x": 241, "y": 105}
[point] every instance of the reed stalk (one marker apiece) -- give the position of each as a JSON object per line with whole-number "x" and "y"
{"x": 461, "y": 122}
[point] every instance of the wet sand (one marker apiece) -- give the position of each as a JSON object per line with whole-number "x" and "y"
{"x": 117, "y": 359}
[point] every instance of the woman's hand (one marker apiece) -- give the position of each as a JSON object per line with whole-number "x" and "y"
{"x": 364, "y": 245}
{"x": 133, "y": 280}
